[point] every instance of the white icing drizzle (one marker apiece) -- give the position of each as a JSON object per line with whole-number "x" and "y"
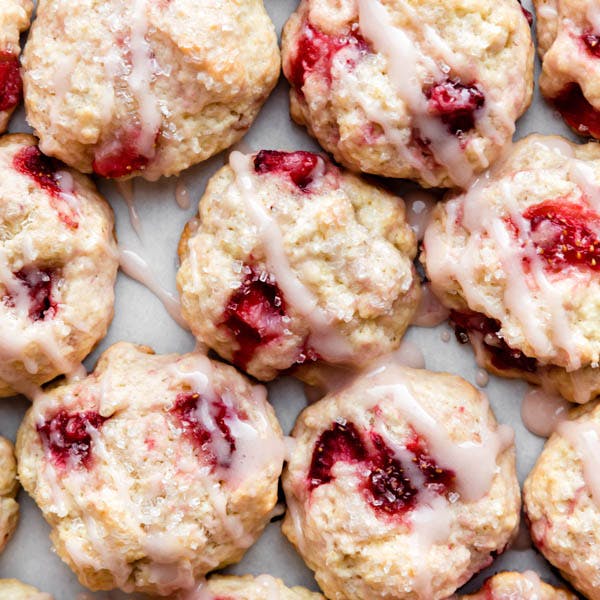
{"x": 419, "y": 205}
{"x": 324, "y": 338}
{"x": 585, "y": 439}
{"x": 542, "y": 411}
{"x": 431, "y": 312}
{"x": 126, "y": 190}
{"x": 134, "y": 266}
{"x": 528, "y": 296}
{"x": 140, "y": 79}
{"x": 405, "y": 61}
{"x": 482, "y": 377}
{"x": 182, "y": 196}
{"x": 474, "y": 464}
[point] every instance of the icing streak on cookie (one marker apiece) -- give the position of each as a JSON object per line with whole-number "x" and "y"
{"x": 503, "y": 357}
{"x": 387, "y": 486}
{"x": 68, "y": 437}
{"x": 39, "y": 284}
{"x": 456, "y": 104}
{"x": 205, "y": 421}
{"x": 577, "y": 111}
{"x": 44, "y": 171}
{"x": 299, "y": 166}
{"x": 315, "y": 53}
{"x": 11, "y": 86}
{"x": 120, "y": 156}
{"x": 254, "y": 314}
{"x": 565, "y": 234}
{"x": 592, "y": 43}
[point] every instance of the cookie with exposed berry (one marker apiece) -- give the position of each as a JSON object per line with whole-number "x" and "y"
{"x": 146, "y": 88}
{"x": 517, "y": 260}
{"x": 561, "y": 498}
{"x": 402, "y": 485}
{"x": 424, "y": 90}
{"x": 153, "y": 470}
{"x": 294, "y": 263}
{"x": 58, "y": 265}
{"x": 518, "y": 586}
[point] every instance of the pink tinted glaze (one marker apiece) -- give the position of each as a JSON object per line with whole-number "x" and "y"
{"x": 44, "y": 171}
{"x": 67, "y": 437}
{"x": 542, "y": 411}
{"x": 565, "y": 234}
{"x": 386, "y": 486}
{"x": 503, "y": 357}
{"x": 315, "y": 52}
{"x": 254, "y": 314}
{"x": 120, "y": 156}
{"x": 186, "y": 409}
{"x": 298, "y": 166}
{"x": 456, "y": 104}
{"x": 11, "y": 86}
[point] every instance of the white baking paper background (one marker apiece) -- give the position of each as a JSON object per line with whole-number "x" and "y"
{"x": 141, "y": 318}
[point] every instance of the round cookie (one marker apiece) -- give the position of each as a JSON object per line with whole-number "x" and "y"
{"x": 295, "y": 263}
{"x": 9, "y": 509}
{"x": 416, "y": 89}
{"x": 146, "y": 88}
{"x": 263, "y": 587}
{"x": 14, "y": 19}
{"x": 400, "y": 486}
{"x": 153, "y": 470}
{"x": 561, "y": 498}
{"x": 518, "y": 586}
{"x": 58, "y": 265}
{"x": 568, "y": 34}
{"x": 15, "y": 590}
{"x": 517, "y": 260}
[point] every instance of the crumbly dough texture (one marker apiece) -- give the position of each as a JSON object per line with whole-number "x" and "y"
{"x": 34, "y": 233}
{"x": 346, "y": 240}
{"x": 357, "y": 555}
{"x": 518, "y": 586}
{"x": 538, "y": 169}
{"x": 560, "y": 25}
{"x": 11, "y": 589}
{"x": 9, "y": 509}
{"x": 263, "y": 587}
{"x": 358, "y": 115}
{"x": 200, "y": 80}
{"x": 15, "y": 16}
{"x": 150, "y": 512}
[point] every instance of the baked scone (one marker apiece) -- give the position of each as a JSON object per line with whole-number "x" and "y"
{"x": 293, "y": 263}
{"x": 11, "y": 589}
{"x": 417, "y": 89}
{"x": 146, "y": 88}
{"x": 153, "y": 470}
{"x": 518, "y": 586}
{"x": 517, "y": 260}
{"x": 569, "y": 45}
{"x": 562, "y": 500}
{"x": 58, "y": 264}
{"x": 263, "y": 587}
{"x": 14, "y": 19}
{"x": 9, "y": 509}
{"x": 402, "y": 485}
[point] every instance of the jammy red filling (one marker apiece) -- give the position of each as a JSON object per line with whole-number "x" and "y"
{"x": 565, "y": 234}
{"x": 11, "y": 86}
{"x": 298, "y": 166}
{"x": 315, "y": 53}
{"x": 39, "y": 284}
{"x": 577, "y": 112}
{"x": 592, "y": 44}
{"x": 386, "y": 487}
{"x": 44, "y": 171}
{"x": 120, "y": 156}
{"x": 526, "y": 14}
{"x": 456, "y": 104}
{"x": 68, "y": 437}
{"x": 503, "y": 357}
{"x": 198, "y": 416}
{"x": 254, "y": 315}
